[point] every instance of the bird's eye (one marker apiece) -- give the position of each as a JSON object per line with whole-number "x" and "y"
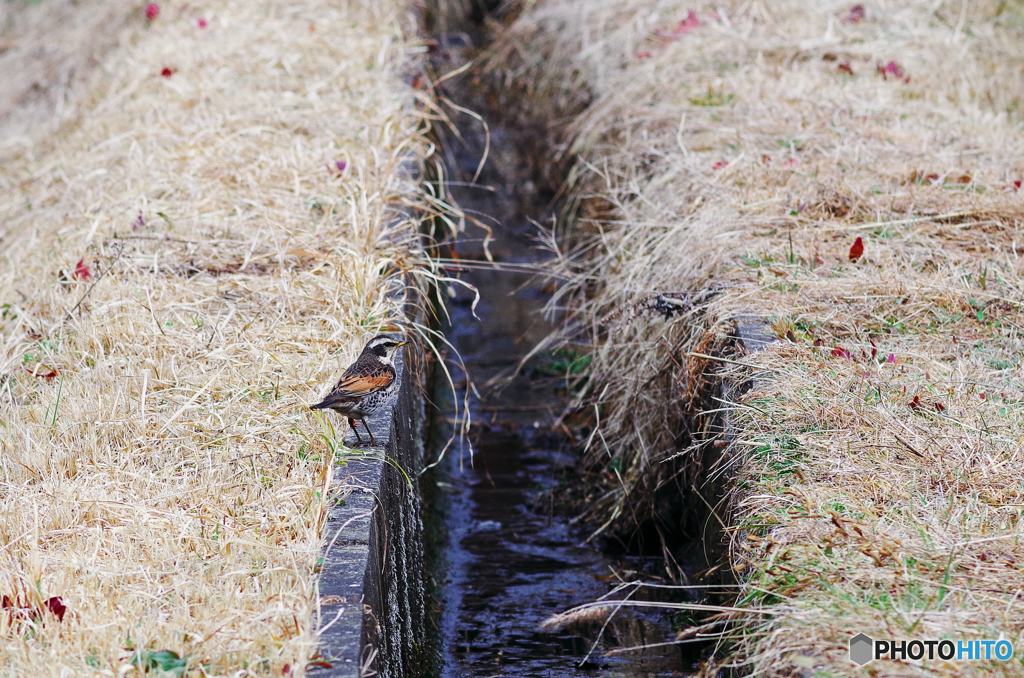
{"x": 390, "y": 344}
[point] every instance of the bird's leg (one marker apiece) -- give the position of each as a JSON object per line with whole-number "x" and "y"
{"x": 352, "y": 425}
{"x": 372, "y": 441}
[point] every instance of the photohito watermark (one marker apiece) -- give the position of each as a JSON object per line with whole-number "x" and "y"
{"x": 863, "y": 649}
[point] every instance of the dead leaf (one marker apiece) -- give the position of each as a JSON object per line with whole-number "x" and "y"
{"x": 857, "y": 249}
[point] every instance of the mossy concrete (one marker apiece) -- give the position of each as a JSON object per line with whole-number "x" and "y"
{"x": 372, "y": 618}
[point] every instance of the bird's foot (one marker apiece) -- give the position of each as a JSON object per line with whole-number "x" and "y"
{"x": 352, "y": 425}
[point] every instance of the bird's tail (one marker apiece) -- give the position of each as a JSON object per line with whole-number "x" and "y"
{"x": 330, "y": 401}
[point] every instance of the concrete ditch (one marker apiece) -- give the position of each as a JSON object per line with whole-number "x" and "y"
{"x": 373, "y": 608}
{"x": 373, "y": 614}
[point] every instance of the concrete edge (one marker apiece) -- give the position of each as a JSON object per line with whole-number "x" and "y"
{"x": 751, "y": 333}
{"x": 372, "y": 611}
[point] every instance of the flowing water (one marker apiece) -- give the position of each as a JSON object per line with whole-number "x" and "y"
{"x": 507, "y": 559}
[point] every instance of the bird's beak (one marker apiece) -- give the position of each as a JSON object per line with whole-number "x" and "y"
{"x": 402, "y": 343}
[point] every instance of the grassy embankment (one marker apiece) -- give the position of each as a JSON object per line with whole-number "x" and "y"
{"x": 197, "y": 236}
{"x": 734, "y": 158}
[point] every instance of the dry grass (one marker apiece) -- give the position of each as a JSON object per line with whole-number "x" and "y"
{"x": 49, "y": 53}
{"x": 161, "y": 472}
{"x": 730, "y": 167}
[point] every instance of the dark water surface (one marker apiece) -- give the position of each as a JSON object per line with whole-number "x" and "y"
{"x": 508, "y": 560}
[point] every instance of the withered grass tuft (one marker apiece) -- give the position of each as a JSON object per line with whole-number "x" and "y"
{"x": 725, "y": 163}
{"x": 188, "y": 261}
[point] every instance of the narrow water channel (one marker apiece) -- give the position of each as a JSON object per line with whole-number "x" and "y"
{"x": 507, "y": 559}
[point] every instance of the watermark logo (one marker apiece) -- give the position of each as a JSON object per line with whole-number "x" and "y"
{"x": 864, "y": 648}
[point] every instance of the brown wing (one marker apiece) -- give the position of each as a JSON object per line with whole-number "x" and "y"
{"x": 360, "y": 380}
{"x": 357, "y": 385}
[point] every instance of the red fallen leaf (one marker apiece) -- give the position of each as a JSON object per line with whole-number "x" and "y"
{"x": 892, "y": 69}
{"x": 690, "y": 22}
{"x": 19, "y": 613}
{"x": 152, "y": 11}
{"x": 915, "y": 403}
{"x": 166, "y": 72}
{"x": 43, "y": 372}
{"x": 719, "y": 165}
{"x": 1016, "y": 185}
{"x": 766, "y": 159}
{"x": 857, "y": 249}
{"x": 789, "y": 162}
{"x": 819, "y": 342}
{"x": 891, "y": 358}
{"x": 55, "y": 605}
{"x": 939, "y": 407}
{"x": 855, "y": 16}
{"x": 840, "y": 352}
{"x": 963, "y": 179}
{"x": 337, "y": 167}
{"x": 845, "y": 67}
{"x": 932, "y": 177}
{"x": 983, "y": 395}
{"x": 81, "y": 270}
{"x": 201, "y": 23}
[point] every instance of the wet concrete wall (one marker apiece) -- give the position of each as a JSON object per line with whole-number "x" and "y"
{"x": 371, "y": 585}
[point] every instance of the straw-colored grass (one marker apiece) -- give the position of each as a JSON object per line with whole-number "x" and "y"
{"x": 49, "y": 53}
{"x": 187, "y": 263}
{"x": 874, "y": 468}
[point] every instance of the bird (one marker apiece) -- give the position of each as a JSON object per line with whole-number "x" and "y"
{"x": 368, "y": 383}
